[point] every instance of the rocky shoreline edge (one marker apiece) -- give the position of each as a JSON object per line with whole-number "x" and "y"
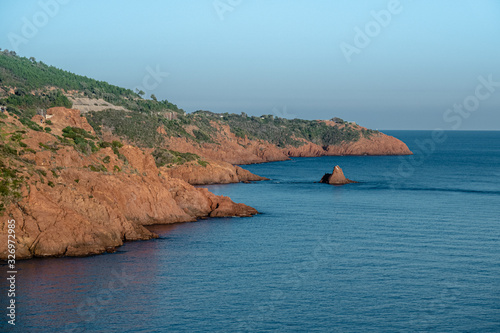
{"x": 74, "y": 203}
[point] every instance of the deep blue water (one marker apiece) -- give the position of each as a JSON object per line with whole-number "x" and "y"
{"x": 414, "y": 246}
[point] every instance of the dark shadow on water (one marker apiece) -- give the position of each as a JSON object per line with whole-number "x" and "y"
{"x": 160, "y": 229}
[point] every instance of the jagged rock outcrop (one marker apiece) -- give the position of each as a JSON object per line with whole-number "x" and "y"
{"x": 336, "y": 177}
{"x": 222, "y": 206}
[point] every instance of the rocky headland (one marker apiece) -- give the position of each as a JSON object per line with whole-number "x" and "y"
{"x": 73, "y": 204}
{"x": 237, "y": 150}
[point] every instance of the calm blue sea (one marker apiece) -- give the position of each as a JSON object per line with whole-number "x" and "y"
{"x": 413, "y": 247}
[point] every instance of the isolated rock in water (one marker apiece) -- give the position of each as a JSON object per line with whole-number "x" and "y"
{"x": 336, "y": 178}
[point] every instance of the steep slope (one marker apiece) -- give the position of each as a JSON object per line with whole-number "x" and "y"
{"x": 74, "y": 195}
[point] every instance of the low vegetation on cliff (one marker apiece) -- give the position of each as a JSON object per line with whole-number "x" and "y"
{"x": 28, "y": 87}
{"x": 288, "y": 132}
{"x": 10, "y": 181}
{"x": 169, "y": 158}
{"x": 12, "y": 162}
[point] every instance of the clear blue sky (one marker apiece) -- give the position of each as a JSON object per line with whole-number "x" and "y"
{"x": 280, "y": 56}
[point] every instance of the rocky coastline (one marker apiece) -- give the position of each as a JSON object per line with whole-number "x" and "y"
{"x": 73, "y": 202}
{"x": 70, "y": 206}
{"x": 236, "y": 150}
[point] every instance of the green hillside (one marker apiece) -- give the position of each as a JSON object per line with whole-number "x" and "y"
{"x": 31, "y": 79}
{"x": 28, "y": 75}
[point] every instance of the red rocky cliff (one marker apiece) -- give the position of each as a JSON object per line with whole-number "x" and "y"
{"x": 214, "y": 172}
{"x": 236, "y": 150}
{"x": 73, "y": 204}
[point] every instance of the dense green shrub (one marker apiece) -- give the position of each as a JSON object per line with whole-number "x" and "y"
{"x": 203, "y": 163}
{"x": 97, "y": 168}
{"x": 7, "y": 150}
{"x": 202, "y": 136}
{"x": 73, "y": 132}
{"x": 116, "y": 144}
{"x": 10, "y": 185}
{"x": 80, "y": 138}
{"x": 31, "y": 124}
{"x": 164, "y": 157}
{"x": 105, "y": 144}
{"x": 24, "y": 100}
{"x": 136, "y": 127}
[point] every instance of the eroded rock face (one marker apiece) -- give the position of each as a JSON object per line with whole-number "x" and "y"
{"x": 64, "y": 223}
{"x": 214, "y": 172}
{"x": 100, "y": 212}
{"x": 68, "y": 209}
{"x": 236, "y": 150}
{"x": 222, "y": 206}
{"x": 336, "y": 177}
{"x": 62, "y": 117}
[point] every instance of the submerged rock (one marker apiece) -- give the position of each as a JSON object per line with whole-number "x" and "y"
{"x": 336, "y": 178}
